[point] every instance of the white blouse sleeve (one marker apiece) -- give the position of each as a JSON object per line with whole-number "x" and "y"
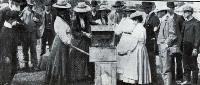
{"x": 62, "y": 29}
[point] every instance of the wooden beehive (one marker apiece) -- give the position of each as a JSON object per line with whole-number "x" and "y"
{"x": 103, "y": 53}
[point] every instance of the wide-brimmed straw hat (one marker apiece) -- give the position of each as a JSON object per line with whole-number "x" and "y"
{"x": 104, "y": 8}
{"x": 62, "y": 4}
{"x": 161, "y": 8}
{"x": 136, "y": 14}
{"x": 82, "y": 7}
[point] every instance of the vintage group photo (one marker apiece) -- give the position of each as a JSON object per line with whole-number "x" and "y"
{"x": 99, "y": 42}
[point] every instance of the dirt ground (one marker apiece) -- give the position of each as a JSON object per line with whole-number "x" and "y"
{"x": 20, "y": 56}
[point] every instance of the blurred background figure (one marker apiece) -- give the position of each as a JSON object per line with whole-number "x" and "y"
{"x": 48, "y": 32}
{"x": 10, "y": 23}
{"x": 104, "y": 11}
{"x": 151, "y": 25}
{"x": 32, "y": 21}
{"x": 117, "y": 13}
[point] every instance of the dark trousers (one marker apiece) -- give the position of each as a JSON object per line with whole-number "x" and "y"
{"x": 189, "y": 64}
{"x": 29, "y": 43}
{"x": 152, "y": 60}
{"x": 48, "y": 36}
{"x": 177, "y": 70}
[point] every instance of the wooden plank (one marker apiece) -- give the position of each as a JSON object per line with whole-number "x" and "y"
{"x": 105, "y": 73}
{"x": 98, "y": 54}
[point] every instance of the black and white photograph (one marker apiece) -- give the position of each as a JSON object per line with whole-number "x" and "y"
{"x": 99, "y": 42}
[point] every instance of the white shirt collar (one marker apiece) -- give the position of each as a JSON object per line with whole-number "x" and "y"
{"x": 186, "y": 19}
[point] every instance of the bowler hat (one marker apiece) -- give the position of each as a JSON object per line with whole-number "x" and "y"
{"x": 147, "y": 4}
{"x": 170, "y": 4}
{"x": 94, "y": 3}
{"x": 118, "y": 4}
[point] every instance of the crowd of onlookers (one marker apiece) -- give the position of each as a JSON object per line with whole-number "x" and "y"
{"x": 66, "y": 29}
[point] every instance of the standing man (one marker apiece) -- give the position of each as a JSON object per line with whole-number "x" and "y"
{"x": 116, "y": 15}
{"x": 48, "y": 28}
{"x": 32, "y": 23}
{"x": 176, "y": 55}
{"x": 151, "y": 25}
{"x": 190, "y": 32}
{"x": 166, "y": 37}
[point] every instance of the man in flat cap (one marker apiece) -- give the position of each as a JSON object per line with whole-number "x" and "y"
{"x": 190, "y": 43}
{"x": 176, "y": 55}
{"x": 151, "y": 25}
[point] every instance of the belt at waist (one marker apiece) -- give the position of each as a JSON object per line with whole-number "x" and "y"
{"x": 127, "y": 33}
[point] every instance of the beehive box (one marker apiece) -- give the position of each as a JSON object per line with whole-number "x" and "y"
{"x": 105, "y": 73}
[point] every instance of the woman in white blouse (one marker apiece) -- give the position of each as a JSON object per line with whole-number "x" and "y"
{"x": 133, "y": 60}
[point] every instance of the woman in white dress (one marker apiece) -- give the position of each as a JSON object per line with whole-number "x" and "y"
{"x": 133, "y": 60}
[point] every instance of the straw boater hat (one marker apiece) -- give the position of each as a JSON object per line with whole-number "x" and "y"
{"x": 62, "y": 4}
{"x": 82, "y": 7}
{"x": 136, "y": 14}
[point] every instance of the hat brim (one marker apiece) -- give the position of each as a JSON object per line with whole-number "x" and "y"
{"x": 64, "y": 7}
{"x": 86, "y": 9}
{"x": 117, "y": 6}
{"x": 158, "y": 10}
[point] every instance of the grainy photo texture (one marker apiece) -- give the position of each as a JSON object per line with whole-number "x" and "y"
{"x": 99, "y": 42}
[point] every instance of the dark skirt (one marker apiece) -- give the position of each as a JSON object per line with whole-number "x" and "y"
{"x": 8, "y": 52}
{"x": 67, "y": 66}
{"x": 57, "y": 63}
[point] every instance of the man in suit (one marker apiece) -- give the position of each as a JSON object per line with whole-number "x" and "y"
{"x": 48, "y": 28}
{"x": 190, "y": 39}
{"x": 151, "y": 25}
{"x": 178, "y": 21}
{"x": 32, "y": 21}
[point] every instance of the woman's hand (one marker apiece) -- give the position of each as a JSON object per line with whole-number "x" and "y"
{"x": 87, "y": 34}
